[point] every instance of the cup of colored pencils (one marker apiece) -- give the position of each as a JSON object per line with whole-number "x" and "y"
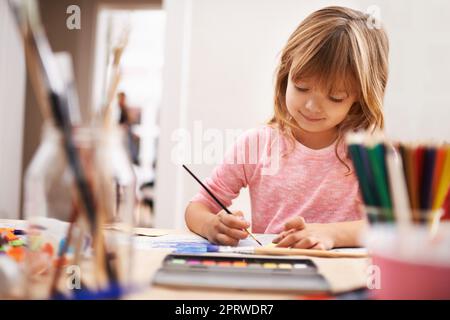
{"x": 401, "y": 183}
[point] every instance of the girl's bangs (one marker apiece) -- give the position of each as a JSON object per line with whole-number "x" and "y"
{"x": 332, "y": 65}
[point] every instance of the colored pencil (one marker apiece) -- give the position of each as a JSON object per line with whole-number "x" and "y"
{"x": 429, "y": 160}
{"x": 444, "y": 183}
{"x": 408, "y": 182}
{"x": 437, "y": 173}
{"x": 380, "y": 179}
{"x": 398, "y": 188}
{"x": 412, "y": 177}
{"x": 367, "y": 170}
{"x": 361, "y": 174}
{"x": 418, "y": 155}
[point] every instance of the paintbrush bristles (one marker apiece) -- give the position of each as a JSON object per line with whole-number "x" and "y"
{"x": 114, "y": 79}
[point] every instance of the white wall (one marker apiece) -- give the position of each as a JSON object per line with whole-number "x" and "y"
{"x": 219, "y": 67}
{"x": 417, "y": 100}
{"x": 12, "y": 86}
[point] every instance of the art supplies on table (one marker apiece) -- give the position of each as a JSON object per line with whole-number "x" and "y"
{"x": 405, "y": 183}
{"x": 241, "y": 273}
{"x": 194, "y": 244}
{"x": 12, "y": 243}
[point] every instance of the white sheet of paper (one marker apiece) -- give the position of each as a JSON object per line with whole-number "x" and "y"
{"x": 168, "y": 240}
{"x": 264, "y": 238}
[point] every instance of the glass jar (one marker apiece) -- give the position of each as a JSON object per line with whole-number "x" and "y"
{"x": 74, "y": 249}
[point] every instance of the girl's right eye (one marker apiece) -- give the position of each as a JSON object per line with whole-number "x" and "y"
{"x": 302, "y": 89}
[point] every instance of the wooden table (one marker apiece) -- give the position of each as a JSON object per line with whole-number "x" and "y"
{"x": 343, "y": 274}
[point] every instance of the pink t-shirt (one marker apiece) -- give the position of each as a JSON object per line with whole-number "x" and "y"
{"x": 284, "y": 182}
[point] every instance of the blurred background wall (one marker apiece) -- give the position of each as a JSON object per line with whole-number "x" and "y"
{"x": 219, "y": 63}
{"x": 12, "y": 98}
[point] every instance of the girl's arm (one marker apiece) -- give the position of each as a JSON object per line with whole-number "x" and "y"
{"x": 347, "y": 234}
{"x": 198, "y": 216}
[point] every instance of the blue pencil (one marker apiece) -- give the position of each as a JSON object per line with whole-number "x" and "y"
{"x": 427, "y": 178}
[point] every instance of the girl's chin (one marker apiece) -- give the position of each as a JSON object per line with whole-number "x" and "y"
{"x": 311, "y": 127}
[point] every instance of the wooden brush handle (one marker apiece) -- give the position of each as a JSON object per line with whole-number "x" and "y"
{"x": 308, "y": 252}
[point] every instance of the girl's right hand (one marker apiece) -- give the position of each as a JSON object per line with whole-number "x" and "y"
{"x": 226, "y": 229}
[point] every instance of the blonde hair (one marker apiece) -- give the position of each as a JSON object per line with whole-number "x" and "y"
{"x": 336, "y": 45}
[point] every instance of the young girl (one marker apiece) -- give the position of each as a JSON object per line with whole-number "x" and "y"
{"x": 331, "y": 79}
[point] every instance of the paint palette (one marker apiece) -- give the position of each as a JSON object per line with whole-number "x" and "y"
{"x": 243, "y": 273}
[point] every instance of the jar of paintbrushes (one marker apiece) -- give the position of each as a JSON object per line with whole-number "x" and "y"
{"x": 405, "y": 190}
{"x": 79, "y": 189}
{"x": 79, "y": 205}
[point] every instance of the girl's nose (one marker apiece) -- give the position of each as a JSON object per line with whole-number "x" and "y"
{"x": 312, "y": 106}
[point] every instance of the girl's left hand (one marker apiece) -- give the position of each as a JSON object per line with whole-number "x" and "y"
{"x": 299, "y": 234}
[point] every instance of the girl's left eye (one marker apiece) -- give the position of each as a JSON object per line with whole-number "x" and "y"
{"x": 337, "y": 100}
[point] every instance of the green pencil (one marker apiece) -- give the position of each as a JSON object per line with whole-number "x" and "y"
{"x": 376, "y": 157}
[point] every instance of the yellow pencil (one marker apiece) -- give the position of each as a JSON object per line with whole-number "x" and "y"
{"x": 444, "y": 182}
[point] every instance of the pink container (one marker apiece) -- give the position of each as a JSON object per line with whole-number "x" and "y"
{"x": 410, "y": 264}
{"x": 406, "y": 280}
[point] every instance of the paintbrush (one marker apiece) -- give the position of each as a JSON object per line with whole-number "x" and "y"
{"x": 114, "y": 78}
{"x": 218, "y": 201}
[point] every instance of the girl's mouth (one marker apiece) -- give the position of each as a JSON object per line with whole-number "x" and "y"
{"x": 311, "y": 119}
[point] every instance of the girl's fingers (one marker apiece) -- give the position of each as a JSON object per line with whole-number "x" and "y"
{"x": 282, "y": 235}
{"x": 297, "y": 223}
{"x": 226, "y": 240}
{"x": 233, "y": 233}
{"x": 306, "y": 243}
{"x": 290, "y": 239}
{"x": 277, "y": 238}
{"x": 233, "y": 221}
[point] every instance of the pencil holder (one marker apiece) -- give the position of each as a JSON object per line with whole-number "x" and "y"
{"x": 409, "y": 262}
{"x": 79, "y": 220}
{"x": 377, "y": 215}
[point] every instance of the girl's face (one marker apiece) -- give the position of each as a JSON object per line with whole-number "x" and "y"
{"x": 314, "y": 109}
